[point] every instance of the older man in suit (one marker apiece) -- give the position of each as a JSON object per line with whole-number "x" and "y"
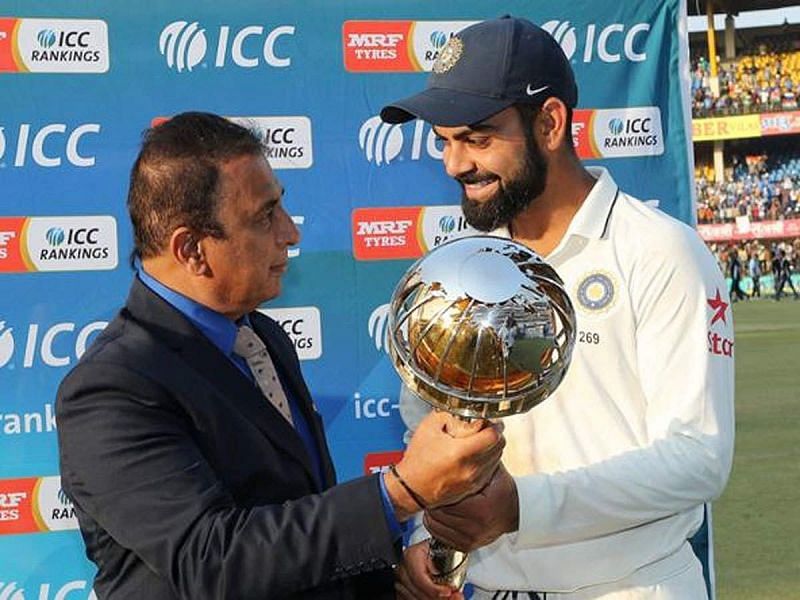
{"x": 188, "y": 440}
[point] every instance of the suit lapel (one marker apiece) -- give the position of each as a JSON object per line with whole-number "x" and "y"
{"x": 282, "y": 354}
{"x": 210, "y": 364}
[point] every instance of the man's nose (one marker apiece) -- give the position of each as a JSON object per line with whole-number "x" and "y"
{"x": 289, "y": 234}
{"x": 456, "y": 160}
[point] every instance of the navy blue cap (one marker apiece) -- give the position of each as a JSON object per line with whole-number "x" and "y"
{"x": 486, "y": 68}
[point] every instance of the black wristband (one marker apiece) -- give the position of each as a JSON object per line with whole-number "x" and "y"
{"x": 414, "y": 495}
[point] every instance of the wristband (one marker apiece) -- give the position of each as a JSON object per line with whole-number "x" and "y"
{"x": 414, "y": 495}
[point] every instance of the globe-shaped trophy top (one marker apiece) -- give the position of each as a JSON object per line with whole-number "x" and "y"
{"x": 481, "y": 327}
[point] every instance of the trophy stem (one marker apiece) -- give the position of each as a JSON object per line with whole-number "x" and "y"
{"x": 449, "y": 564}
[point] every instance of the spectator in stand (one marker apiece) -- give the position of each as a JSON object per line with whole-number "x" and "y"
{"x": 759, "y": 80}
{"x": 764, "y": 187}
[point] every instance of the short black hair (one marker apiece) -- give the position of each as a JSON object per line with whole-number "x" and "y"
{"x": 175, "y": 179}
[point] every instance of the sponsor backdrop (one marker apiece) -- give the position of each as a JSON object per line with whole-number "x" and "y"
{"x": 82, "y": 80}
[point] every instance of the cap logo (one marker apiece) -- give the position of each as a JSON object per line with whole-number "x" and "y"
{"x": 449, "y": 56}
{"x": 532, "y": 92}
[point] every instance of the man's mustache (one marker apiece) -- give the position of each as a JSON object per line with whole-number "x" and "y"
{"x": 470, "y": 178}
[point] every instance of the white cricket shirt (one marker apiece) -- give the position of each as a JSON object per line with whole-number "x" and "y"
{"x": 613, "y": 469}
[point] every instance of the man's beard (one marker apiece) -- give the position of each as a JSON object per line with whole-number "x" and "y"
{"x": 512, "y": 197}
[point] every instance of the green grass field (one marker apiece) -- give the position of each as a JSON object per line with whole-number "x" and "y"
{"x": 757, "y": 519}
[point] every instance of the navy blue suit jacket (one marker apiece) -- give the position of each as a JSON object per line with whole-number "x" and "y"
{"x": 187, "y": 483}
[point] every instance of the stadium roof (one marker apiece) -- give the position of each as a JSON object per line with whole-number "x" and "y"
{"x": 734, "y": 7}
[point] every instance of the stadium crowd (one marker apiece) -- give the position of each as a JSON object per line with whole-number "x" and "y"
{"x": 759, "y": 81}
{"x": 762, "y": 187}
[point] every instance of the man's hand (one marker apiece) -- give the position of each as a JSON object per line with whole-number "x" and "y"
{"x": 413, "y": 580}
{"x": 480, "y": 519}
{"x": 443, "y": 469}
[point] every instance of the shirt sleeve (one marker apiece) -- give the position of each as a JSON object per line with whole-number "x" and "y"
{"x": 684, "y": 349}
{"x": 396, "y": 529}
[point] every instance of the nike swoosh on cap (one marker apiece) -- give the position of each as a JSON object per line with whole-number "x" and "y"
{"x": 531, "y": 92}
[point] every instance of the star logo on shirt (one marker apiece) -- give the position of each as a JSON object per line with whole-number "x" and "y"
{"x": 719, "y": 306}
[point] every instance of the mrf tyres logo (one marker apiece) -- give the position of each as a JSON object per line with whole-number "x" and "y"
{"x": 6, "y": 238}
{"x": 48, "y": 145}
{"x": 33, "y": 505}
{"x": 394, "y": 232}
{"x": 186, "y": 45}
{"x": 612, "y": 43}
{"x": 303, "y": 325}
{"x": 378, "y": 462}
{"x": 385, "y": 233}
{"x": 53, "y": 45}
{"x": 381, "y": 143}
{"x": 395, "y": 46}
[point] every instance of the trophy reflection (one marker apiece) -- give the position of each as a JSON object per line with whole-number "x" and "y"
{"x": 482, "y": 328}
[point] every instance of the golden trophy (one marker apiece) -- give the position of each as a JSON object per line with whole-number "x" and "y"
{"x": 482, "y": 328}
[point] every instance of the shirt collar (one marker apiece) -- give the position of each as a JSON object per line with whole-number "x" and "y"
{"x": 218, "y": 328}
{"x": 592, "y": 217}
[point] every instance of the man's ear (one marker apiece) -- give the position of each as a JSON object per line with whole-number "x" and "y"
{"x": 552, "y": 124}
{"x": 187, "y": 250}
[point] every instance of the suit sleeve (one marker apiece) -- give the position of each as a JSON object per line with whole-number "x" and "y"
{"x": 129, "y": 461}
{"x": 685, "y": 355}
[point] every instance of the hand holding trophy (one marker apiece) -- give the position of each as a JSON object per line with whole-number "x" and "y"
{"x": 481, "y": 328}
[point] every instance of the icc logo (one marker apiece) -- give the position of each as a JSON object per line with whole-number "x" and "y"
{"x": 9, "y": 591}
{"x": 378, "y": 327}
{"x": 55, "y": 236}
{"x": 383, "y": 142}
{"x": 6, "y": 344}
{"x": 607, "y": 50}
{"x": 438, "y": 39}
{"x": 66, "y": 39}
{"x": 190, "y": 41}
{"x": 617, "y": 126}
{"x": 447, "y": 224}
{"x": 21, "y": 149}
{"x": 185, "y": 45}
{"x": 46, "y": 38}
{"x": 57, "y": 347}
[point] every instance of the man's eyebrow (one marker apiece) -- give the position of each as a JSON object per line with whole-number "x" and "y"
{"x": 483, "y": 127}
